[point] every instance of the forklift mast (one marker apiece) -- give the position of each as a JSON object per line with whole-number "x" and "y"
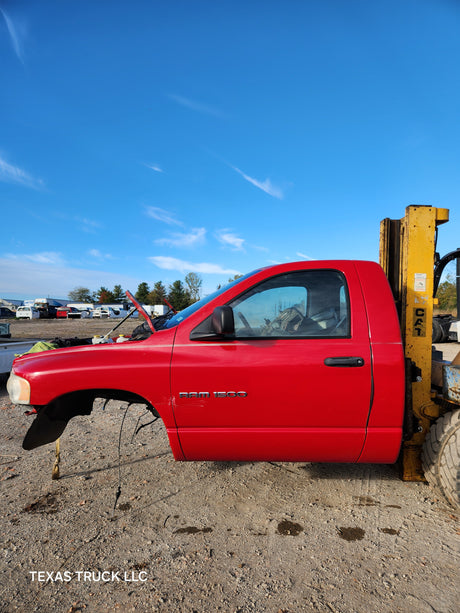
{"x": 408, "y": 257}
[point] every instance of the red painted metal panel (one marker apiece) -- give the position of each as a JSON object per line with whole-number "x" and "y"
{"x": 275, "y": 383}
{"x": 285, "y": 384}
{"x": 382, "y": 446}
{"x": 384, "y": 433}
{"x": 175, "y": 444}
{"x": 271, "y": 444}
{"x": 389, "y": 386}
{"x": 383, "y": 319}
{"x": 140, "y": 367}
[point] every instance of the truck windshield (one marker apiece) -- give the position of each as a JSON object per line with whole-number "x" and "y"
{"x": 178, "y": 318}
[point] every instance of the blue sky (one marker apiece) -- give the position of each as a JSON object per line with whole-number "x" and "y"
{"x": 141, "y": 141}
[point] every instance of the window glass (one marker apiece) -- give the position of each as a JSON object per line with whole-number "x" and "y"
{"x": 310, "y": 303}
{"x": 182, "y": 315}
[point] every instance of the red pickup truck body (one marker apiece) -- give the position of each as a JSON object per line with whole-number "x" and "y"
{"x": 294, "y": 362}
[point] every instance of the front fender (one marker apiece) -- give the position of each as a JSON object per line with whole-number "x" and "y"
{"x": 52, "y": 419}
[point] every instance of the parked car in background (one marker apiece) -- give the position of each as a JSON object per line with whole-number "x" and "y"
{"x": 71, "y": 313}
{"x": 62, "y": 312}
{"x": 78, "y": 313}
{"x": 104, "y": 312}
{"x": 27, "y": 312}
{"x": 47, "y": 311}
{"x": 47, "y": 307}
{"x": 5, "y": 313}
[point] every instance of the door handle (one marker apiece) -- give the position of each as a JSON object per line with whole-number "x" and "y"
{"x": 345, "y": 362}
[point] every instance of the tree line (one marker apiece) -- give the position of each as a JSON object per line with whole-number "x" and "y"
{"x": 179, "y": 294}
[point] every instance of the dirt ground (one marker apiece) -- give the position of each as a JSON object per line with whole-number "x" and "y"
{"x": 208, "y": 536}
{"x": 48, "y": 329}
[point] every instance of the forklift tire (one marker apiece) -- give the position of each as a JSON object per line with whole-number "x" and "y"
{"x": 438, "y": 332}
{"x": 441, "y": 457}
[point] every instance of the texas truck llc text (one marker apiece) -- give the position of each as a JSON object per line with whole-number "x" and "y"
{"x": 89, "y": 576}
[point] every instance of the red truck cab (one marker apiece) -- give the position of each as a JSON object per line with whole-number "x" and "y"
{"x": 294, "y": 362}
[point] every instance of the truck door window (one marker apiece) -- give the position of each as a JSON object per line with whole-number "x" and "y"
{"x": 300, "y": 304}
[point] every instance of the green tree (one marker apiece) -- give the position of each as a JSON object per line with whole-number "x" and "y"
{"x": 118, "y": 294}
{"x": 178, "y": 296}
{"x": 194, "y": 283}
{"x": 80, "y": 294}
{"x": 142, "y": 293}
{"x": 103, "y": 296}
{"x": 234, "y": 278}
{"x": 447, "y": 294}
{"x": 158, "y": 294}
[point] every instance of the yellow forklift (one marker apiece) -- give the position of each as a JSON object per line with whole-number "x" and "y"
{"x": 431, "y": 449}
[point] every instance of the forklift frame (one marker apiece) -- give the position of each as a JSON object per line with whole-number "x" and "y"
{"x": 408, "y": 257}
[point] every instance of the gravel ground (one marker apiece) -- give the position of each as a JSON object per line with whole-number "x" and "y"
{"x": 48, "y": 329}
{"x": 208, "y": 536}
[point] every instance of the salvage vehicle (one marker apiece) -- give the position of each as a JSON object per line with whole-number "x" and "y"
{"x": 27, "y": 312}
{"x": 71, "y": 313}
{"x": 75, "y": 313}
{"x": 47, "y": 307}
{"x": 10, "y": 348}
{"x": 62, "y": 312}
{"x": 294, "y": 362}
{"x": 6, "y": 313}
{"x": 105, "y": 312}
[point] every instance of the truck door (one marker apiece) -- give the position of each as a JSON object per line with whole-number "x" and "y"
{"x": 293, "y": 383}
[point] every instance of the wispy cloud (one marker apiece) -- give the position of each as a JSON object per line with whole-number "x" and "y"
{"x": 45, "y": 257}
{"x": 88, "y": 225}
{"x": 17, "y": 33}
{"x": 168, "y": 263}
{"x": 84, "y": 224}
{"x": 230, "y": 239}
{"x": 303, "y": 256}
{"x": 154, "y": 167}
{"x": 266, "y": 186}
{"x": 14, "y": 174}
{"x": 95, "y": 253}
{"x": 184, "y": 239}
{"x": 162, "y": 215}
{"x": 196, "y": 106}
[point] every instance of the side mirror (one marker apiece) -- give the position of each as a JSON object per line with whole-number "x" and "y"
{"x": 222, "y": 321}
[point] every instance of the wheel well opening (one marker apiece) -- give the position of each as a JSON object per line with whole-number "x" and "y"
{"x": 52, "y": 419}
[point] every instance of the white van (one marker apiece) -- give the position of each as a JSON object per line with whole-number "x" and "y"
{"x": 27, "y": 312}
